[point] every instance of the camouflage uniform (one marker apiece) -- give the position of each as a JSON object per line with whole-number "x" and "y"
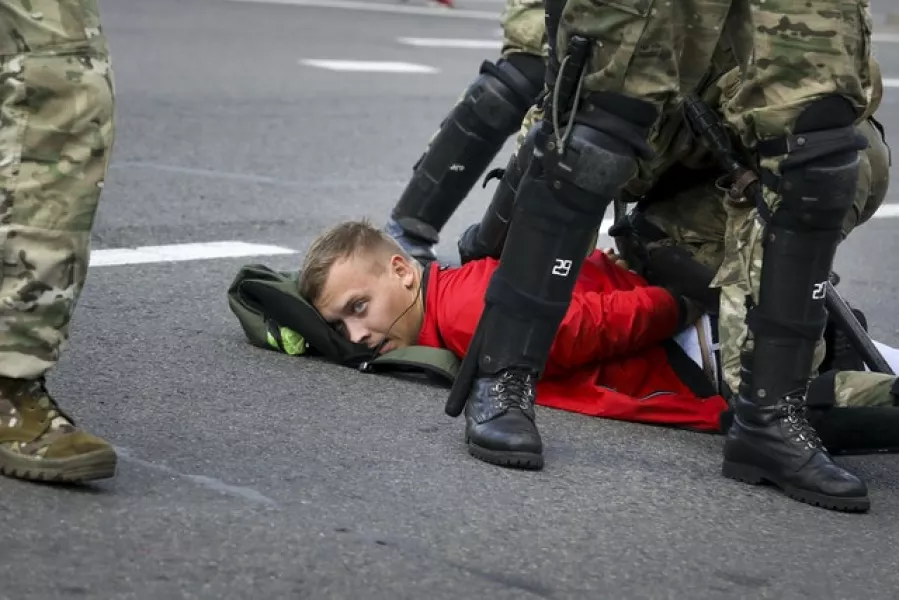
{"x": 713, "y": 230}
{"x": 56, "y": 135}
{"x": 523, "y": 26}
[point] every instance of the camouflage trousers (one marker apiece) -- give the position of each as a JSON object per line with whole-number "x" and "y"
{"x": 524, "y": 30}
{"x": 789, "y": 54}
{"x": 727, "y": 239}
{"x": 56, "y": 135}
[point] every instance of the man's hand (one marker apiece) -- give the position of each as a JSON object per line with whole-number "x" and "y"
{"x": 616, "y": 258}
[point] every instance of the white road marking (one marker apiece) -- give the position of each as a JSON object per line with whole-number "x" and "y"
{"x": 367, "y": 66}
{"x": 216, "y": 485}
{"x": 890, "y": 82}
{"x": 451, "y": 43}
{"x": 112, "y": 257}
{"x": 431, "y": 11}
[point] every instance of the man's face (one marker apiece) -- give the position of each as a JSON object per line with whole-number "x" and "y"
{"x": 369, "y": 305}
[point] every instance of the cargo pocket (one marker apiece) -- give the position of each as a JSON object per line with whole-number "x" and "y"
{"x": 65, "y": 27}
{"x": 618, "y": 27}
{"x": 14, "y": 116}
{"x": 68, "y": 118}
{"x": 740, "y": 249}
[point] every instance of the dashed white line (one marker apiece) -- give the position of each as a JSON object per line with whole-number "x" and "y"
{"x": 217, "y": 485}
{"x": 367, "y": 66}
{"x": 432, "y": 11}
{"x": 451, "y": 43}
{"x": 112, "y": 257}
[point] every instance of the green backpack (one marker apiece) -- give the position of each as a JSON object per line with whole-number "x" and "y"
{"x": 273, "y": 315}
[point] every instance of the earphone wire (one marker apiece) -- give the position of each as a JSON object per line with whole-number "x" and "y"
{"x": 377, "y": 349}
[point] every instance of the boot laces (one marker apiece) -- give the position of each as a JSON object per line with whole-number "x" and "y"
{"x": 795, "y": 415}
{"x": 514, "y": 389}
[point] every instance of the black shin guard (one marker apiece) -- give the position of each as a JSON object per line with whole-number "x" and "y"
{"x": 469, "y": 139}
{"x": 561, "y": 201}
{"x": 487, "y": 238}
{"x": 530, "y": 291}
{"x": 817, "y": 186}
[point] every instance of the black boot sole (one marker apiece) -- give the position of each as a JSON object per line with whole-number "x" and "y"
{"x": 515, "y": 460}
{"x": 756, "y": 476}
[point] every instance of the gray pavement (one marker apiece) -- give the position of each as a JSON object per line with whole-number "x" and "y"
{"x": 248, "y": 474}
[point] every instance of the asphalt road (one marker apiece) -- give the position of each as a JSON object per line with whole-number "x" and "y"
{"x": 248, "y": 474}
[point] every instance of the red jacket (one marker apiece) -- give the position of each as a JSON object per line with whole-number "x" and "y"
{"x": 607, "y": 359}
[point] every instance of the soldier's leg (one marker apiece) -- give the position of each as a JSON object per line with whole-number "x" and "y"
{"x": 873, "y": 181}
{"x": 487, "y": 237}
{"x": 733, "y": 278}
{"x": 472, "y": 134}
{"x": 674, "y": 238}
{"x": 854, "y": 410}
{"x": 874, "y": 176}
{"x": 806, "y": 80}
{"x": 691, "y": 217}
{"x": 573, "y": 176}
{"x": 56, "y": 135}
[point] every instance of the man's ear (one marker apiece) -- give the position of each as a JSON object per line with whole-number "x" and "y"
{"x": 402, "y": 269}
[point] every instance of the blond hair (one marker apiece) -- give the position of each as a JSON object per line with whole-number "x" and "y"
{"x": 340, "y": 242}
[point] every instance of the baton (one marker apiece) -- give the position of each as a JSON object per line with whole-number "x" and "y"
{"x": 857, "y": 335}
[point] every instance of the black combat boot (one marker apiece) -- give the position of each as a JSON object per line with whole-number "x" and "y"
{"x": 775, "y": 443}
{"x": 500, "y": 420}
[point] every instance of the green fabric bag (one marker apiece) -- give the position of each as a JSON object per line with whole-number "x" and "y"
{"x": 273, "y": 315}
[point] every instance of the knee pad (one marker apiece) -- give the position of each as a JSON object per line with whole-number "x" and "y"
{"x": 529, "y": 67}
{"x": 470, "y": 137}
{"x": 820, "y": 170}
{"x": 600, "y": 154}
{"x": 504, "y": 91}
{"x": 627, "y": 120}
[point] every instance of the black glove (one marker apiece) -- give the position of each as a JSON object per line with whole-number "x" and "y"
{"x": 689, "y": 312}
{"x": 674, "y": 268}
